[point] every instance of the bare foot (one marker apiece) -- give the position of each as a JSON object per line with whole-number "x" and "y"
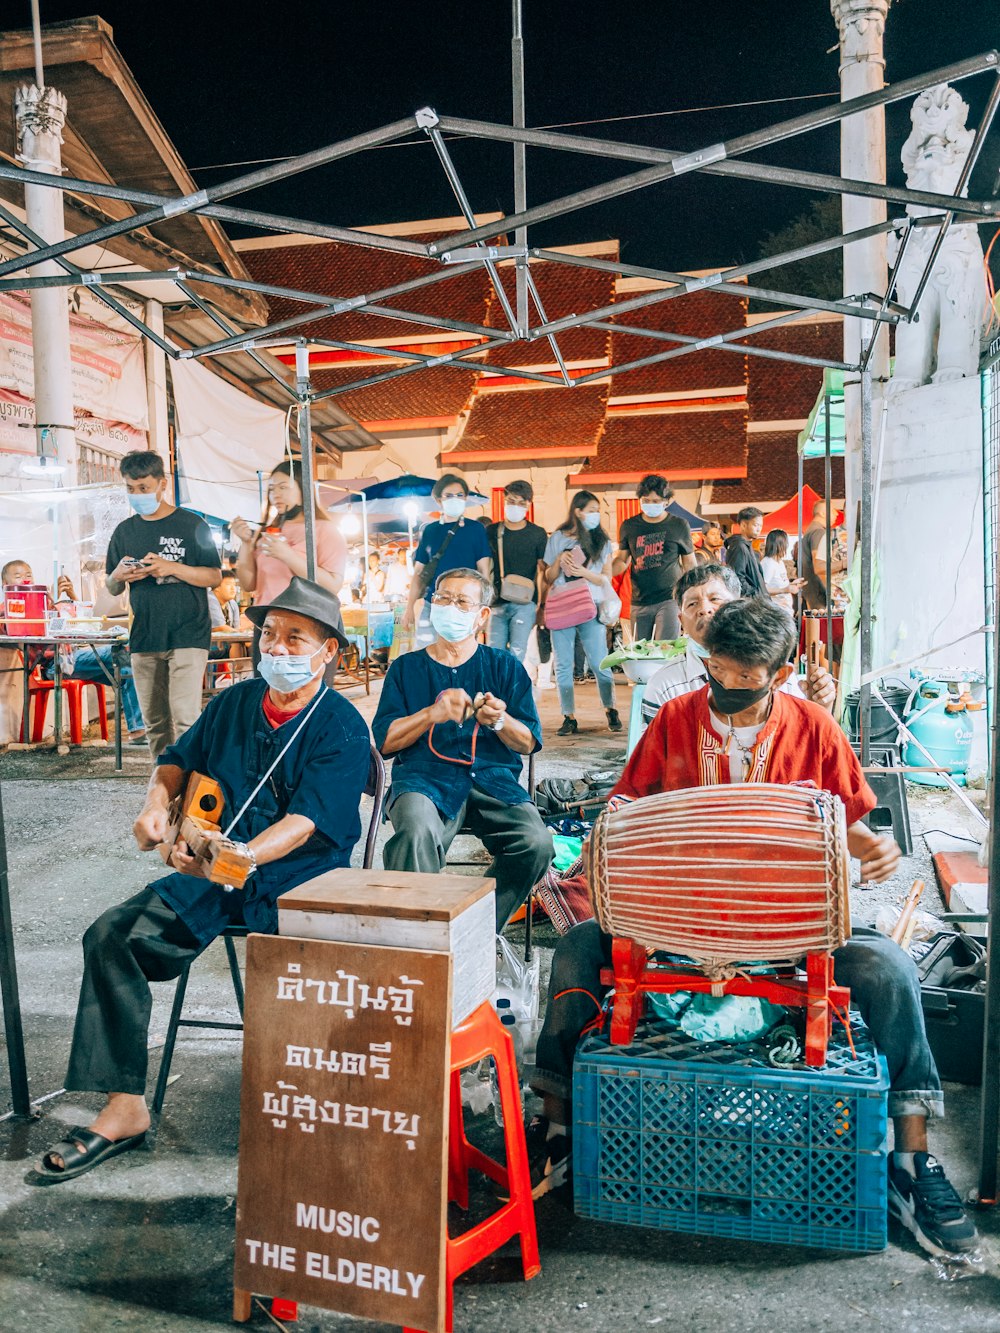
{"x": 125, "y": 1115}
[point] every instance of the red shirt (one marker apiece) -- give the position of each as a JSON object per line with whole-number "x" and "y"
{"x": 799, "y": 742}
{"x": 274, "y": 714}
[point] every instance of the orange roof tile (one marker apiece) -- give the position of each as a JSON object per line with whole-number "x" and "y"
{"x": 681, "y": 445}
{"x": 437, "y": 392}
{"x": 563, "y": 290}
{"x": 697, "y": 315}
{"x": 772, "y": 472}
{"x": 535, "y": 421}
{"x": 784, "y": 390}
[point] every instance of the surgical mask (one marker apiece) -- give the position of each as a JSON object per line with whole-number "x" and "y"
{"x": 451, "y": 623}
{"x": 287, "y": 673}
{"x": 735, "y": 701}
{"x": 653, "y": 509}
{"x": 590, "y": 521}
{"x": 453, "y": 506}
{"x": 701, "y": 653}
{"x": 515, "y": 512}
{"x": 144, "y": 504}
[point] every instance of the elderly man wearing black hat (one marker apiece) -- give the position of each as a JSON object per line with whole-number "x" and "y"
{"x": 278, "y": 747}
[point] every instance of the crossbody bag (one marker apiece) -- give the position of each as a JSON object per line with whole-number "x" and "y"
{"x": 514, "y": 588}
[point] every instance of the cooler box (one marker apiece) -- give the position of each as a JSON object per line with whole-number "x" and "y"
{"x": 24, "y": 607}
{"x": 453, "y": 914}
{"x": 953, "y": 1015}
{"x": 706, "y": 1137}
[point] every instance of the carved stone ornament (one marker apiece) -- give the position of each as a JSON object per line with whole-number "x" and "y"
{"x": 861, "y": 24}
{"x": 40, "y": 114}
{"x": 944, "y": 344}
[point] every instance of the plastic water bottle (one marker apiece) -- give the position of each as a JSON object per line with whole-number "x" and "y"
{"x": 510, "y": 1025}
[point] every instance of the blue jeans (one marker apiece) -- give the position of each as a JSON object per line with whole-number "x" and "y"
{"x": 882, "y": 980}
{"x": 510, "y": 626}
{"x": 87, "y": 666}
{"x": 594, "y": 638}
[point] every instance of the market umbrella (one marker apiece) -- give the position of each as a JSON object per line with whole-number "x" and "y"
{"x": 695, "y": 523}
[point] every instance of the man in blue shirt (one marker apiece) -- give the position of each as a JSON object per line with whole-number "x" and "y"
{"x": 456, "y": 717}
{"x": 453, "y": 542}
{"x": 292, "y": 759}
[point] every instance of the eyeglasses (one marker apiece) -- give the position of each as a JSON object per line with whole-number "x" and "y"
{"x": 463, "y": 603}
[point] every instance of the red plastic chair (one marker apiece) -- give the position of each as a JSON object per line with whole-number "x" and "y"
{"x": 38, "y": 696}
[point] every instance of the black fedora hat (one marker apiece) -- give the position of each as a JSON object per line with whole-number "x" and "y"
{"x": 305, "y": 599}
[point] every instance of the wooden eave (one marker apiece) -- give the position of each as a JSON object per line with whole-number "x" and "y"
{"x": 113, "y": 135}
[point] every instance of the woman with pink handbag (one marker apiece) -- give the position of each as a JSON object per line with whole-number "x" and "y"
{"x": 578, "y": 559}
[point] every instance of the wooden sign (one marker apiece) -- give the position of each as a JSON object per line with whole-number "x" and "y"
{"x": 343, "y": 1129}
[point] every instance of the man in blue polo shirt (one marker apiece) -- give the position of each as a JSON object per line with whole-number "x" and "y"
{"x": 453, "y": 542}
{"x": 279, "y": 748}
{"x": 456, "y": 717}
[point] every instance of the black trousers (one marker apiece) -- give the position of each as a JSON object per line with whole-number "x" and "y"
{"x": 139, "y": 941}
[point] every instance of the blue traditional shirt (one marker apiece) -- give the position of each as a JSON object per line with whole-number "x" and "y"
{"x": 414, "y": 681}
{"x": 322, "y": 777}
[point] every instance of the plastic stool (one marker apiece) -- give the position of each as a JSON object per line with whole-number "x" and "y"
{"x": 636, "y": 726}
{"x": 74, "y": 699}
{"x": 890, "y": 791}
{"x": 483, "y": 1034}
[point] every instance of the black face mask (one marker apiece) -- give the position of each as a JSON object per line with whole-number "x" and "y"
{"x": 735, "y": 701}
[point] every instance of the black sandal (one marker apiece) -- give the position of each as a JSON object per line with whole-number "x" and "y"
{"x": 81, "y": 1150}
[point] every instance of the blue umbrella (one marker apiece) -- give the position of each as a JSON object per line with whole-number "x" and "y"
{"x": 406, "y": 487}
{"x": 695, "y": 523}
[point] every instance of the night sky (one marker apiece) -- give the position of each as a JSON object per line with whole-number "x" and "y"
{"x": 233, "y": 82}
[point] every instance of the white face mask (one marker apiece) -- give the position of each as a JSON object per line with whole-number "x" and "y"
{"x": 453, "y": 506}
{"x": 514, "y": 512}
{"x": 591, "y": 521}
{"x": 653, "y": 508}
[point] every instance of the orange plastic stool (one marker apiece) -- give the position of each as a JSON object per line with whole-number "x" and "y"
{"x": 483, "y": 1034}
{"x": 74, "y": 699}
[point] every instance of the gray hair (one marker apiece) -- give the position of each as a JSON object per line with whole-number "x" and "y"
{"x": 473, "y": 576}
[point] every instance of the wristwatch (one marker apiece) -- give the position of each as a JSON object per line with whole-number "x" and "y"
{"x": 498, "y": 725}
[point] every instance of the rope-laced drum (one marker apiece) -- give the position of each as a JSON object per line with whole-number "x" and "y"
{"x": 725, "y": 874}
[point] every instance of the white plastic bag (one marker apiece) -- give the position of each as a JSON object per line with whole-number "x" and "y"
{"x": 609, "y": 608}
{"x": 517, "y": 981}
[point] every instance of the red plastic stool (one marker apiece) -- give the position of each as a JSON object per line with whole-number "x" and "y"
{"x": 38, "y": 694}
{"x": 483, "y": 1034}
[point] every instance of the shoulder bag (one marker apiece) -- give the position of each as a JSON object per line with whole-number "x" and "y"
{"x": 429, "y": 572}
{"x": 569, "y": 604}
{"x": 514, "y": 588}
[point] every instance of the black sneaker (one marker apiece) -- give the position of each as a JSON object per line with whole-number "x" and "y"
{"x": 928, "y": 1205}
{"x": 614, "y": 721}
{"x": 568, "y": 728}
{"x": 549, "y": 1160}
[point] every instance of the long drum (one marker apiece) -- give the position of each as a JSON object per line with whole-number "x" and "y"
{"x": 725, "y": 874}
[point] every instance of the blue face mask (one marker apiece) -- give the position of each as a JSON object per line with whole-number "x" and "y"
{"x": 451, "y": 623}
{"x": 702, "y": 653}
{"x": 288, "y": 673}
{"x": 590, "y": 521}
{"x": 144, "y": 504}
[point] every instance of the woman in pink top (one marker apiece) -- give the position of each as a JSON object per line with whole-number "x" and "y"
{"x": 268, "y": 560}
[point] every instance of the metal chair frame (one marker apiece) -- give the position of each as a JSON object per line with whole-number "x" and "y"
{"x": 375, "y": 788}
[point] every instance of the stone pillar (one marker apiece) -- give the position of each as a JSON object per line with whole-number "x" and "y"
{"x": 861, "y": 24}
{"x": 40, "y": 114}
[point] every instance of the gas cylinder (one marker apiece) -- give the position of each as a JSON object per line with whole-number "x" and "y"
{"x": 938, "y": 716}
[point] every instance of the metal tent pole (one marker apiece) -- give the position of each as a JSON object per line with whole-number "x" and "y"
{"x": 302, "y": 388}
{"x": 867, "y": 543}
{"x": 16, "y": 1061}
{"x": 989, "y": 1119}
{"x": 520, "y": 163}
{"x": 827, "y": 489}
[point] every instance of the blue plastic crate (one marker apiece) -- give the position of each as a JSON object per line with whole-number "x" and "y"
{"x": 703, "y": 1137}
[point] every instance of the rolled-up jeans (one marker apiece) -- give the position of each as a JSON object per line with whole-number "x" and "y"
{"x": 87, "y": 665}
{"x": 510, "y": 625}
{"x": 594, "y": 638}
{"x": 882, "y": 979}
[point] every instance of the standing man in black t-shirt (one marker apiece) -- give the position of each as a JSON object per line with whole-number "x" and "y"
{"x": 658, "y": 546}
{"x": 167, "y": 558}
{"x": 518, "y": 551}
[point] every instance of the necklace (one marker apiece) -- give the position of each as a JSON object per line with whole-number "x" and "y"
{"x": 746, "y": 751}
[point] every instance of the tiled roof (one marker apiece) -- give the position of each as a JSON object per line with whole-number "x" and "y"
{"x": 784, "y": 390}
{"x": 532, "y": 420}
{"x": 698, "y": 315}
{"x": 563, "y": 290}
{"x": 424, "y": 393}
{"x": 349, "y": 270}
{"x": 772, "y": 472}
{"x": 678, "y": 444}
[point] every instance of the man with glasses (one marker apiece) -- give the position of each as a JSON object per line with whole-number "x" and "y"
{"x": 456, "y": 717}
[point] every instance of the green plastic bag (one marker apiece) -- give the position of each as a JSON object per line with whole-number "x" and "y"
{"x": 567, "y": 850}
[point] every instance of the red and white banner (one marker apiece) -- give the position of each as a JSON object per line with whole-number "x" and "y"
{"x": 109, "y": 373}
{"x": 17, "y": 428}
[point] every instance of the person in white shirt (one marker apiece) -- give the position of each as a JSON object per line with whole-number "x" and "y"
{"x": 397, "y": 579}
{"x": 776, "y": 580}
{"x": 700, "y": 592}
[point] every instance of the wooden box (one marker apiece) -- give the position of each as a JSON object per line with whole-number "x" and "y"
{"x": 452, "y": 914}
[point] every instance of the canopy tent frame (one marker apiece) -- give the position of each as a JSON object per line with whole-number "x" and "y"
{"x": 658, "y": 166}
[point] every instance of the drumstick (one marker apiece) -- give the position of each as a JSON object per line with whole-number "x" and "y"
{"x": 904, "y": 922}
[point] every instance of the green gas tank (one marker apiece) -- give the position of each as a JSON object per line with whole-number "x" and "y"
{"x": 939, "y": 718}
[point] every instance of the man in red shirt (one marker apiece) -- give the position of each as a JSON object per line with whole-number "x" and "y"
{"x": 741, "y": 728}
